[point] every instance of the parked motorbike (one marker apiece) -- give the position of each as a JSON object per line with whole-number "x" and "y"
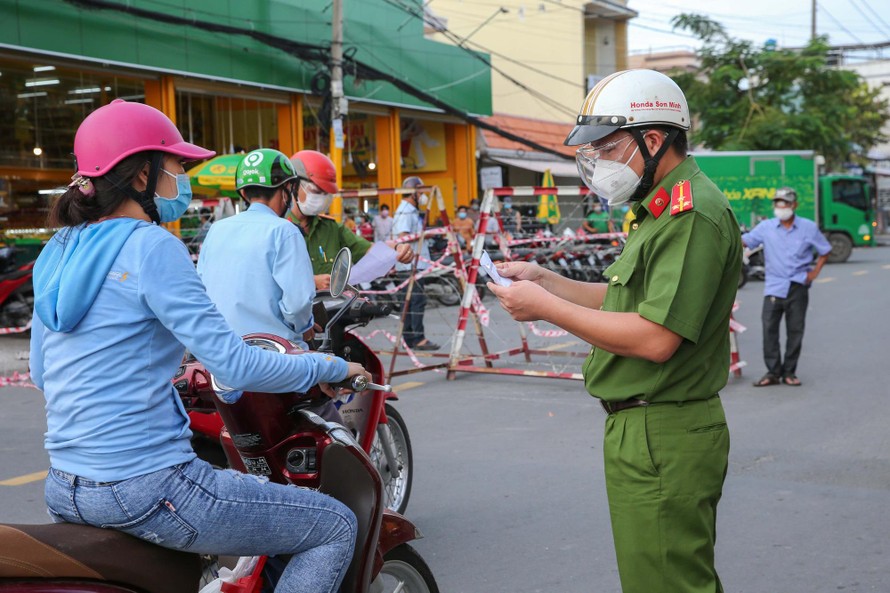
{"x": 16, "y": 290}
{"x": 373, "y": 421}
{"x": 275, "y": 435}
{"x": 753, "y": 265}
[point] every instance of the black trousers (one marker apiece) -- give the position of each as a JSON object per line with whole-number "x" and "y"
{"x": 794, "y": 309}
{"x": 413, "y": 332}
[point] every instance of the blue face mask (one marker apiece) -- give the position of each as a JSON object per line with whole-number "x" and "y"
{"x": 172, "y": 209}
{"x": 461, "y": 214}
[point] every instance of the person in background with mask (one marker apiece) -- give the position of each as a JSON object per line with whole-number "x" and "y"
{"x": 255, "y": 266}
{"x": 474, "y": 210}
{"x": 598, "y": 221}
{"x": 383, "y": 224}
{"x": 510, "y": 219}
{"x": 464, "y": 227}
{"x": 789, "y": 242}
{"x": 324, "y": 235}
{"x": 363, "y": 227}
{"x": 408, "y": 220}
{"x": 116, "y": 292}
{"x": 658, "y": 330}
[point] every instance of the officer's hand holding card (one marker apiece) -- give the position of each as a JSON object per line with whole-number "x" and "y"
{"x": 491, "y": 271}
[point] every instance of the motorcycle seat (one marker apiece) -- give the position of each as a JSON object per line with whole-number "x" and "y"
{"x": 69, "y": 552}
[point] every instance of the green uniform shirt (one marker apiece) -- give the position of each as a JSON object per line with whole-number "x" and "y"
{"x": 680, "y": 272}
{"x": 325, "y": 238}
{"x": 599, "y": 221}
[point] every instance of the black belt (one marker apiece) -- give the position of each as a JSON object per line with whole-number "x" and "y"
{"x": 614, "y": 407}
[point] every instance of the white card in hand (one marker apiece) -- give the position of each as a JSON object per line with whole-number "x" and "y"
{"x": 487, "y": 266}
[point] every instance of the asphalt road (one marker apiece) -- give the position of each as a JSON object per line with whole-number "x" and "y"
{"x": 509, "y": 486}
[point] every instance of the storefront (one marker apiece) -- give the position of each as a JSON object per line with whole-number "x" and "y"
{"x": 228, "y": 93}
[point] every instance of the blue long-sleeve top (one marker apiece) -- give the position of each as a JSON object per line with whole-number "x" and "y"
{"x": 256, "y": 270}
{"x": 116, "y": 304}
{"x": 788, "y": 252}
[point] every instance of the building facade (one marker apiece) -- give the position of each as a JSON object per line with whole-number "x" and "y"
{"x": 545, "y": 56}
{"x": 234, "y": 77}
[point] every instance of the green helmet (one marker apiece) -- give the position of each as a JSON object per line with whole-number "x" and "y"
{"x": 264, "y": 167}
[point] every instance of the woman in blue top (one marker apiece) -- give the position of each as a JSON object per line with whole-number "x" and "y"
{"x": 117, "y": 301}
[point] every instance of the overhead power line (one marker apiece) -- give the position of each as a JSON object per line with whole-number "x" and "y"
{"x": 460, "y": 42}
{"x": 875, "y": 18}
{"x": 316, "y": 54}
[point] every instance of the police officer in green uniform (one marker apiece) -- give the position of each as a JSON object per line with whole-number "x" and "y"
{"x": 324, "y": 235}
{"x": 659, "y": 330}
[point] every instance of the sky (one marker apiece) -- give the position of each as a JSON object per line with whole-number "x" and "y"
{"x": 846, "y": 22}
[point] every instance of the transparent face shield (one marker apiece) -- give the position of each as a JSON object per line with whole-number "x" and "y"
{"x": 317, "y": 200}
{"x": 605, "y": 170}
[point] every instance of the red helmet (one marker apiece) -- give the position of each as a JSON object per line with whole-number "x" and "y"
{"x": 117, "y": 130}
{"x": 314, "y": 166}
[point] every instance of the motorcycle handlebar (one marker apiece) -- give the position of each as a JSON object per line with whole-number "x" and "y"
{"x": 361, "y": 383}
{"x": 369, "y": 310}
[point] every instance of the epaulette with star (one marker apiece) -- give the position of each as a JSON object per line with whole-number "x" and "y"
{"x": 681, "y": 197}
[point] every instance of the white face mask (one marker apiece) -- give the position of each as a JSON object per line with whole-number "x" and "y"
{"x": 423, "y": 200}
{"x": 612, "y": 180}
{"x": 316, "y": 204}
{"x": 783, "y": 214}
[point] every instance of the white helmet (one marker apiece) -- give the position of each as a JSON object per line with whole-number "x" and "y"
{"x": 629, "y": 99}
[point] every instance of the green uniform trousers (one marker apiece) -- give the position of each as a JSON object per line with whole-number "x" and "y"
{"x": 665, "y": 464}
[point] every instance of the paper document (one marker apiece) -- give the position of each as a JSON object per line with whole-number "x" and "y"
{"x": 379, "y": 260}
{"x": 487, "y": 266}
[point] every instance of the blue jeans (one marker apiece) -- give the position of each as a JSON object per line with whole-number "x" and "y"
{"x": 196, "y": 508}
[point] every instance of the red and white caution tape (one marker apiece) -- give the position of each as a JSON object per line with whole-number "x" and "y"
{"x": 17, "y": 380}
{"x": 15, "y": 330}
{"x": 546, "y": 333}
{"x": 414, "y": 360}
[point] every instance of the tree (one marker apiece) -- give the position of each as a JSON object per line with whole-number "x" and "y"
{"x": 762, "y": 98}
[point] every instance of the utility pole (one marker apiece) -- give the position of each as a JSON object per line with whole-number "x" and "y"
{"x": 813, "y": 21}
{"x": 339, "y": 106}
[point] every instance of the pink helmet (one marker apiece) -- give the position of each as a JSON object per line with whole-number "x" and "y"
{"x": 117, "y": 130}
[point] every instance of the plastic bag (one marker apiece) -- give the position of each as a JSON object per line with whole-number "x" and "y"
{"x": 244, "y": 567}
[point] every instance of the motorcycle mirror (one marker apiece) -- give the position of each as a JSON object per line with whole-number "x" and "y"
{"x": 340, "y": 271}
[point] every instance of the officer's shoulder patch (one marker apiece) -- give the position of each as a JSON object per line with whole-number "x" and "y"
{"x": 327, "y": 217}
{"x": 681, "y": 197}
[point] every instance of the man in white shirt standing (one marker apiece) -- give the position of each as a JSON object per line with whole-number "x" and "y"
{"x": 408, "y": 221}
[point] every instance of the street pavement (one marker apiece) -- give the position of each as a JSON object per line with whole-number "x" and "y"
{"x": 508, "y": 485}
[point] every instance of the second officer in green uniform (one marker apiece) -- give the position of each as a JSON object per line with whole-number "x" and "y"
{"x": 659, "y": 330}
{"x": 324, "y": 235}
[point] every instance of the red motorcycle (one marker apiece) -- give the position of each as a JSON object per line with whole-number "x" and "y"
{"x": 374, "y": 422}
{"x": 16, "y": 290}
{"x": 275, "y": 435}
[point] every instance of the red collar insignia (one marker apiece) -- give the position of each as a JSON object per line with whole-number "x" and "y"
{"x": 681, "y": 197}
{"x": 659, "y": 202}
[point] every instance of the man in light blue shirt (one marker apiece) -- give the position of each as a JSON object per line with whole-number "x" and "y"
{"x": 407, "y": 221}
{"x": 255, "y": 265}
{"x": 789, "y": 242}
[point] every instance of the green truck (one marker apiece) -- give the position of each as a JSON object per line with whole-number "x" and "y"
{"x": 840, "y": 204}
